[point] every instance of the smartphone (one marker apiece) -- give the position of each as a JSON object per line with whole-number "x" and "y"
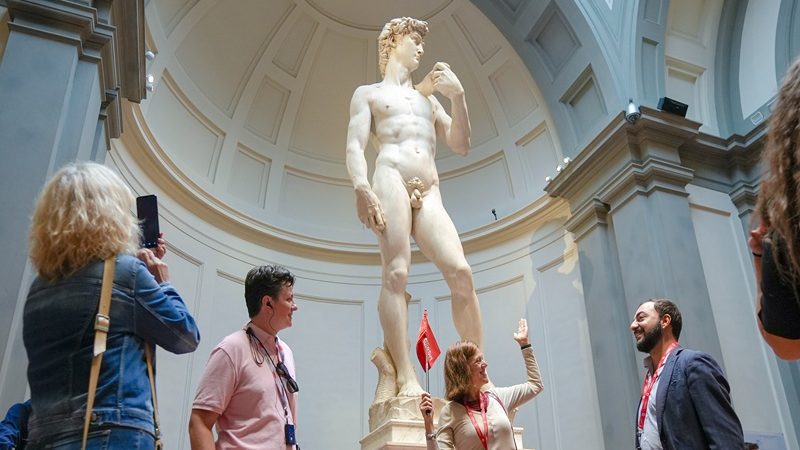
{"x": 147, "y": 211}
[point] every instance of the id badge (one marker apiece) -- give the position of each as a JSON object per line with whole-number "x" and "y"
{"x": 288, "y": 431}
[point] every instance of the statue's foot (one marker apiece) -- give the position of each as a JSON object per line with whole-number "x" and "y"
{"x": 410, "y": 389}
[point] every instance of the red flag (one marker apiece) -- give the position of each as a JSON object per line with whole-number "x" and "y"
{"x": 427, "y": 348}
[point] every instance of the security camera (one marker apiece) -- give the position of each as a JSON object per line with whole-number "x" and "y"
{"x": 632, "y": 114}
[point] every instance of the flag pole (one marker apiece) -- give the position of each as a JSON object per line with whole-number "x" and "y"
{"x": 427, "y": 377}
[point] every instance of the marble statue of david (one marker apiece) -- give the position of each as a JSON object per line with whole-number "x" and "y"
{"x": 404, "y": 199}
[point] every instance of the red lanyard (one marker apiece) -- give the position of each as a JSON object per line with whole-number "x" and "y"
{"x": 650, "y": 380}
{"x": 482, "y": 435}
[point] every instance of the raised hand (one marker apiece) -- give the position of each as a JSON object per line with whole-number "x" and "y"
{"x": 521, "y": 336}
{"x": 446, "y": 81}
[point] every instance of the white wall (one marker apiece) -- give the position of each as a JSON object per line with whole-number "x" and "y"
{"x": 757, "y": 78}
{"x": 749, "y": 364}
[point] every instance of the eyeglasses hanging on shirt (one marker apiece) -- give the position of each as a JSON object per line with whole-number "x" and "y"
{"x": 280, "y": 367}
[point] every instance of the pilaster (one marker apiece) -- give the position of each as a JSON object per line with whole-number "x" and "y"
{"x": 636, "y": 240}
{"x": 62, "y": 73}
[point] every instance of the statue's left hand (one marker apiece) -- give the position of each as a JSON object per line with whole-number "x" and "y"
{"x": 446, "y": 81}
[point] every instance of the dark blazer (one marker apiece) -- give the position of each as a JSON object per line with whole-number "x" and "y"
{"x": 693, "y": 405}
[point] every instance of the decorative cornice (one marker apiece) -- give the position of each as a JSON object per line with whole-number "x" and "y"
{"x": 645, "y": 178}
{"x": 129, "y": 19}
{"x": 627, "y": 159}
{"x": 110, "y": 35}
{"x": 64, "y": 21}
{"x": 744, "y": 196}
{"x": 587, "y": 217}
{"x": 720, "y": 163}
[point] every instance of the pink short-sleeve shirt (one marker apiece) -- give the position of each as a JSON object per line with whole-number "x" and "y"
{"x": 246, "y": 395}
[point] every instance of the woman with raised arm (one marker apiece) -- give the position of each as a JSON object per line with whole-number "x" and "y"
{"x": 475, "y": 419}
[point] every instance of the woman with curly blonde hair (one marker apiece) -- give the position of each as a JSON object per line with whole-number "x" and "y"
{"x": 474, "y": 419}
{"x": 775, "y": 244}
{"x": 82, "y": 218}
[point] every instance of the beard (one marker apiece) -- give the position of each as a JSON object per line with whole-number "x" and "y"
{"x": 650, "y": 339}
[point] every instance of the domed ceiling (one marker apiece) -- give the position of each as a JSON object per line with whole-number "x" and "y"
{"x": 251, "y": 100}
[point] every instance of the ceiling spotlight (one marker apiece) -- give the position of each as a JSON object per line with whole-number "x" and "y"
{"x": 559, "y": 168}
{"x": 150, "y": 78}
{"x": 548, "y": 179}
{"x": 567, "y": 160}
{"x": 632, "y": 114}
{"x": 149, "y": 55}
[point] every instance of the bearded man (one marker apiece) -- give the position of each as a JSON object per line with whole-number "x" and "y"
{"x": 686, "y": 400}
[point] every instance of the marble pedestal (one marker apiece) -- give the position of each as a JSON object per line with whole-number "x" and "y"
{"x": 395, "y": 424}
{"x": 399, "y": 434}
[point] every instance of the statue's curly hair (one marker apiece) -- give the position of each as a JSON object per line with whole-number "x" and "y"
{"x": 398, "y": 27}
{"x": 779, "y": 196}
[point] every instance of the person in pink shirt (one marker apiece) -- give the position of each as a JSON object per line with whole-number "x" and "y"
{"x": 248, "y": 389}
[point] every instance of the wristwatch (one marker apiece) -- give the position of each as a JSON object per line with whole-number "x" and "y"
{"x": 430, "y": 436}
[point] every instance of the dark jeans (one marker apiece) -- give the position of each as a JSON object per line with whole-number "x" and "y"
{"x": 109, "y": 438}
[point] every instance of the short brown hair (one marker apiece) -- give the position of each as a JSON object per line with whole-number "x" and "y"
{"x": 666, "y": 307}
{"x": 264, "y": 280}
{"x": 457, "y": 381}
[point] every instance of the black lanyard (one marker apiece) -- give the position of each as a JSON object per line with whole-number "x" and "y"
{"x": 279, "y": 386}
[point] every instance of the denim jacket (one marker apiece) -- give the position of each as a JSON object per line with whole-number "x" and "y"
{"x": 58, "y": 332}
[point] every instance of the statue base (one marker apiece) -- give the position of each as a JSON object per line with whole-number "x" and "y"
{"x": 396, "y": 434}
{"x": 396, "y": 424}
{"x": 399, "y": 434}
{"x": 399, "y": 408}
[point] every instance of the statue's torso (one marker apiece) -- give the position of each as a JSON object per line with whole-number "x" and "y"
{"x": 404, "y": 127}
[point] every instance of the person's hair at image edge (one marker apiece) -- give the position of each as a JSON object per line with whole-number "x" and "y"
{"x": 397, "y": 28}
{"x": 666, "y": 307}
{"x": 457, "y": 361}
{"x": 264, "y": 280}
{"x": 84, "y": 213}
{"x": 779, "y": 196}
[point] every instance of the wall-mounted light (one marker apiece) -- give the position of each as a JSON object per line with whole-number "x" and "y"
{"x": 149, "y": 55}
{"x": 150, "y": 84}
{"x": 632, "y": 114}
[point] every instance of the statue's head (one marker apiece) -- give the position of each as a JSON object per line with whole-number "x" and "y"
{"x": 392, "y": 32}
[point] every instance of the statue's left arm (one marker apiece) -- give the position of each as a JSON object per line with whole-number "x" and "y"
{"x": 455, "y": 128}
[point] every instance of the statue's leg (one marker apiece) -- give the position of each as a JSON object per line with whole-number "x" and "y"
{"x": 438, "y": 239}
{"x": 395, "y": 245}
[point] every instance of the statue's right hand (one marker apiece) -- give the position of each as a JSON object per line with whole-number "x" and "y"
{"x": 370, "y": 211}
